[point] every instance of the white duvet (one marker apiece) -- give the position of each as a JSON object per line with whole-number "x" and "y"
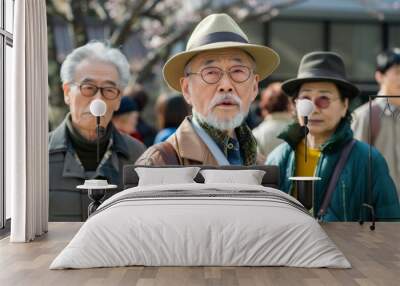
{"x": 245, "y": 225}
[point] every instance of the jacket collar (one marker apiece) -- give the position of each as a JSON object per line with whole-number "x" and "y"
{"x": 190, "y": 144}
{"x": 294, "y": 134}
{"x": 119, "y": 143}
{"x": 245, "y": 138}
{"x": 73, "y": 168}
{"x": 388, "y": 109}
{"x": 60, "y": 142}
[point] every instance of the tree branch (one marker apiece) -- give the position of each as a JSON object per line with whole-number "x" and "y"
{"x": 152, "y": 6}
{"x": 260, "y": 15}
{"x": 53, "y": 11}
{"x": 155, "y": 56}
{"x": 55, "y": 94}
{"x": 78, "y": 23}
{"x": 122, "y": 32}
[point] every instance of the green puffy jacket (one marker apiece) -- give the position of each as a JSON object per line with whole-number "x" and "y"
{"x": 352, "y": 187}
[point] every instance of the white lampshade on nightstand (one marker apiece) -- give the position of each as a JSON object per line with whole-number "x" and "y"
{"x": 96, "y": 185}
{"x": 96, "y": 192}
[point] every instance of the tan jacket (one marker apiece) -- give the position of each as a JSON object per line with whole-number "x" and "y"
{"x": 190, "y": 149}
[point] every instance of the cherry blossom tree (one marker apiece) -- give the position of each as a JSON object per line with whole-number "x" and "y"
{"x": 158, "y": 25}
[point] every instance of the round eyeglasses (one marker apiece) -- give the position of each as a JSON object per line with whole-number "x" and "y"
{"x": 321, "y": 102}
{"x": 90, "y": 90}
{"x": 212, "y": 75}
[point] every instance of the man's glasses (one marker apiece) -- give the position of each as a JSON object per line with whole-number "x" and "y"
{"x": 212, "y": 75}
{"x": 90, "y": 90}
{"x": 321, "y": 102}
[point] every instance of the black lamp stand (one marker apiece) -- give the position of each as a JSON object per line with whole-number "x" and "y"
{"x": 368, "y": 203}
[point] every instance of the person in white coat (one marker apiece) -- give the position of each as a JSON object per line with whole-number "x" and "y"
{"x": 385, "y": 113}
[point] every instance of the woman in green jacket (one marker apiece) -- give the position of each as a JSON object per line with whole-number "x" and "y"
{"x": 321, "y": 78}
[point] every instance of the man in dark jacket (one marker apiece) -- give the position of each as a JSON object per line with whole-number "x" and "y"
{"x": 93, "y": 71}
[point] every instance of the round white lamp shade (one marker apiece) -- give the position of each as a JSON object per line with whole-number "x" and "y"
{"x": 304, "y": 107}
{"x": 98, "y": 107}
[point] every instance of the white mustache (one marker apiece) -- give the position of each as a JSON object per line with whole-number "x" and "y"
{"x": 225, "y": 97}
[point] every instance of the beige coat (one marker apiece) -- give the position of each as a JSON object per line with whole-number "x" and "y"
{"x": 267, "y": 132}
{"x": 190, "y": 149}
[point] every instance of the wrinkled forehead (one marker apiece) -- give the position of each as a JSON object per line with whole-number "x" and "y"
{"x": 234, "y": 56}
{"x": 96, "y": 71}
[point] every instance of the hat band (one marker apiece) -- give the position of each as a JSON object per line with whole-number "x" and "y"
{"x": 316, "y": 73}
{"x": 218, "y": 37}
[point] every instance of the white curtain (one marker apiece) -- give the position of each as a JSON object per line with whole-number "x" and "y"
{"x": 27, "y": 125}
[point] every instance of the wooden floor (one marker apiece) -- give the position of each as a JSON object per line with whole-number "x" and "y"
{"x": 374, "y": 255}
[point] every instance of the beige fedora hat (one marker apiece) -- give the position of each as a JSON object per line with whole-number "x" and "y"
{"x": 215, "y": 32}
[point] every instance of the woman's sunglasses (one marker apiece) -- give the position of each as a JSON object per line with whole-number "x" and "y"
{"x": 321, "y": 102}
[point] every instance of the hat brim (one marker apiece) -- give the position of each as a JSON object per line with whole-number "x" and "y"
{"x": 291, "y": 86}
{"x": 267, "y": 60}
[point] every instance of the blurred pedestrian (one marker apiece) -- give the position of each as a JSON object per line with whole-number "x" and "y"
{"x": 385, "y": 113}
{"x": 276, "y": 109}
{"x": 146, "y": 131}
{"x": 125, "y": 119}
{"x": 174, "y": 112}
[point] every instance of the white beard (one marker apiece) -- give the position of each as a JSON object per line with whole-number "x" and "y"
{"x": 219, "y": 124}
{"x": 227, "y": 124}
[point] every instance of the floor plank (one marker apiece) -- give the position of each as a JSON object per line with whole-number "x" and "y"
{"x": 374, "y": 255}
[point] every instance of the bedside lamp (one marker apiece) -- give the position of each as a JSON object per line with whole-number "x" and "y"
{"x": 96, "y": 187}
{"x": 304, "y": 108}
{"x": 98, "y": 108}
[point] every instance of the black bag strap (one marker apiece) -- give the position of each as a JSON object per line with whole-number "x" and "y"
{"x": 335, "y": 177}
{"x": 168, "y": 153}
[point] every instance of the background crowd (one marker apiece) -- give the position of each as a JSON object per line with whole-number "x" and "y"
{"x": 217, "y": 114}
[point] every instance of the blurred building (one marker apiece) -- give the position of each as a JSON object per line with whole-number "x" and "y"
{"x": 356, "y": 29}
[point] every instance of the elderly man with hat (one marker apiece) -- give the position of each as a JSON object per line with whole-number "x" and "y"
{"x": 218, "y": 75}
{"x": 343, "y": 187}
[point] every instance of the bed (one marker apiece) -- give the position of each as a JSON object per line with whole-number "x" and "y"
{"x": 201, "y": 222}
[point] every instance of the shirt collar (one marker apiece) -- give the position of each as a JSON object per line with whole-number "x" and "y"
{"x": 247, "y": 142}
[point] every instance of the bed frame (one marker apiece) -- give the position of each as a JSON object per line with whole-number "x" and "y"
{"x": 270, "y": 179}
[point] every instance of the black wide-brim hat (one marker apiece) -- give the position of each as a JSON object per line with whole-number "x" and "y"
{"x": 321, "y": 66}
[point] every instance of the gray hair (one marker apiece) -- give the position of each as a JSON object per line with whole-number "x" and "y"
{"x": 95, "y": 51}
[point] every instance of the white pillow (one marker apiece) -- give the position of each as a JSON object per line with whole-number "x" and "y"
{"x": 249, "y": 177}
{"x": 163, "y": 176}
